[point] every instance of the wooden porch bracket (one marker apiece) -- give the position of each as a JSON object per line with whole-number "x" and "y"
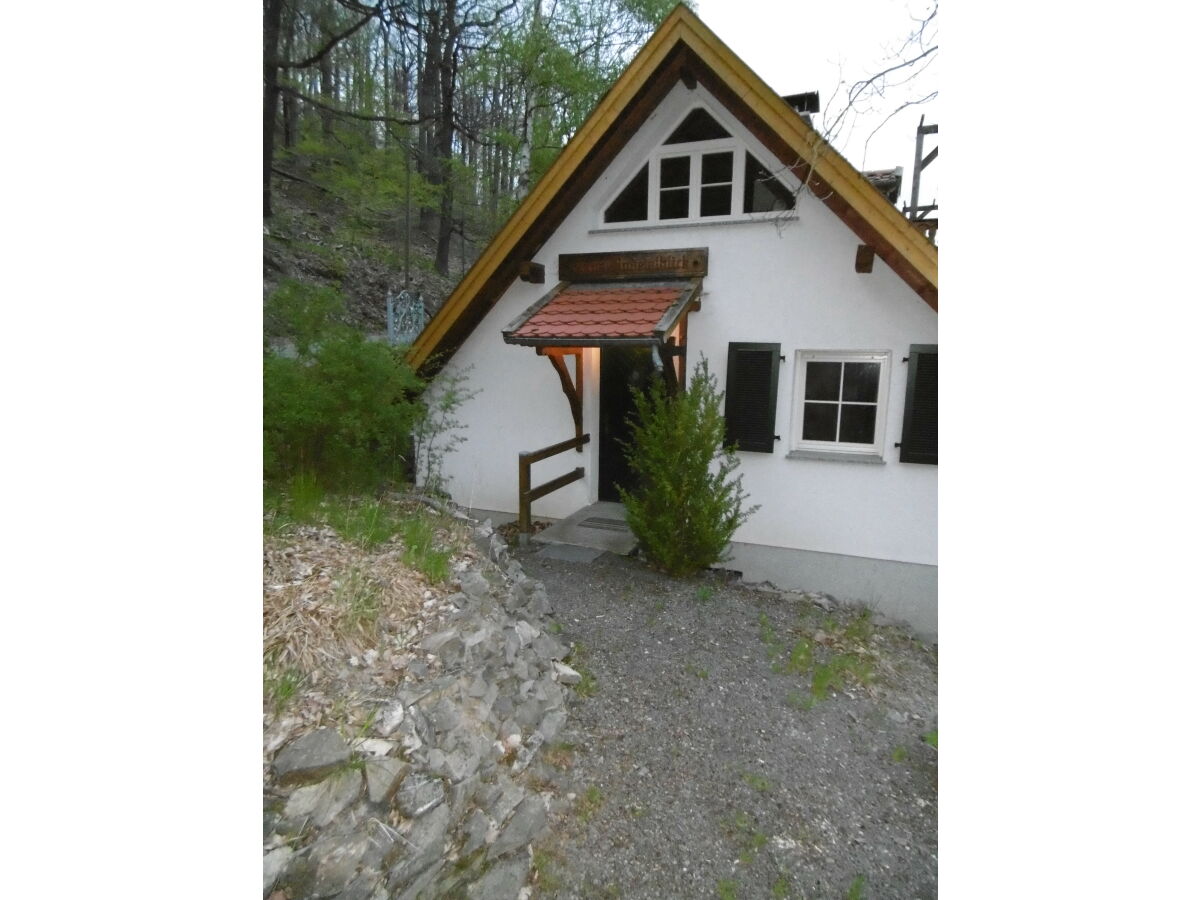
{"x": 573, "y": 391}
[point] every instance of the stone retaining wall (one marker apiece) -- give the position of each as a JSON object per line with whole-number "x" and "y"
{"x": 437, "y": 801}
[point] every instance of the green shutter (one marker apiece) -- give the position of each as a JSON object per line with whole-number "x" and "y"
{"x": 918, "y": 441}
{"x": 751, "y": 388}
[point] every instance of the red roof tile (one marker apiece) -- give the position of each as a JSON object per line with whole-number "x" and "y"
{"x": 593, "y": 312}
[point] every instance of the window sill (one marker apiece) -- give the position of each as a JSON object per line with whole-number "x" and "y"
{"x": 871, "y": 458}
{"x": 773, "y": 219}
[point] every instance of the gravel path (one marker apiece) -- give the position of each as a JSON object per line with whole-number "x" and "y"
{"x": 701, "y": 766}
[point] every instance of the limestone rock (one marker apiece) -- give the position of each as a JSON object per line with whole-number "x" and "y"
{"x": 474, "y": 585}
{"x": 525, "y": 756}
{"x": 321, "y": 803}
{"x": 424, "y": 846}
{"x": 337, "y": 860}
{"x": 478, "y": 829}
{"x": 376, "y": 747}
{"x": 526, "y": 824}
{"x": 503, "y": 881}
{"x": 383, "y": 777}
{"x": 552, "y": 724}
{"x": 566, "y": 675}
{"x": 311, "y": 756}
{"x": 274, "y": 863}
{"x": 390, "y": 719}
{"x": 418, "y": 794}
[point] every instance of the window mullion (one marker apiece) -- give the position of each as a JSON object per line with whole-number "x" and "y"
{"x": 737, "y": 203}
{"x": 837, "y": 435}
{"x": 694, "y": 186}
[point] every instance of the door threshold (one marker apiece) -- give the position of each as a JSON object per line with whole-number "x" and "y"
{"x": 599, "y": 526}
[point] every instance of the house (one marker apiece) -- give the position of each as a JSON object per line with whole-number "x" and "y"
{"x": 697, "y": 212}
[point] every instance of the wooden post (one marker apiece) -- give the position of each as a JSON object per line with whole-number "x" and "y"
{"x": 526, "y": 494}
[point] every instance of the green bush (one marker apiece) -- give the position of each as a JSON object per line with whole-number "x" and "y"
{"x": 342, "y": 408}
{"x": 686, "y": 505}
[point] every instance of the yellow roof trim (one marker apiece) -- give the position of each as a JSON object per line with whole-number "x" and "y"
{"x": 682, "y": 26}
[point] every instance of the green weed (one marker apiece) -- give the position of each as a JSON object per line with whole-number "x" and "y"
{"x": 900, "y": 754}
{"x": 860, "y": 629}
{"x": 781, "y": 888}
{"x": 367, "y": 524}
{"x": 930, "y": 737}
{"x": 696, "y": 670}
{"x": 589, "y": 804}
{"x": 544, "y": 875}
{"x": 304, "y": 497}
{"x": 755, "y": 841}
{"x": 727, "y": 889}
{"x": 420, "y": 552}
{"x": 758, "y": 782}
{"x": 282, "y": 686}
{"x": 704, "y": 593}
{"x": 766, "y": 631}
{"x": 837, "y": 672}
{"x": 587, "y": 686}
{"x": 358, "y": 599}
{"x": 798, "y": 662}
{"x": 857, "y": 887}
{"x": 748, "y": 837}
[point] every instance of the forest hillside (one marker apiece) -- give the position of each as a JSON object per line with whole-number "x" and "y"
{"x": 400, "y": 134}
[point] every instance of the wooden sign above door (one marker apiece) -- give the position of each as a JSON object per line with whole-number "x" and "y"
{"x": 691, "y": 262}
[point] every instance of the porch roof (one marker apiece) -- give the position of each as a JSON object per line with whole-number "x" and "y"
{"x": 593, "y": 315}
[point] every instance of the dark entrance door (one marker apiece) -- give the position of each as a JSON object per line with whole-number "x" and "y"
{"x": 621, "y": 368}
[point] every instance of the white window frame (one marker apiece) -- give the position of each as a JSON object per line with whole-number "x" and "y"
{"x": 695, "y": 150}
{"x": 872, "y": 452}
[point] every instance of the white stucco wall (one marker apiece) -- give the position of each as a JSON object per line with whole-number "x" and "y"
{"x": 789, "y": 282}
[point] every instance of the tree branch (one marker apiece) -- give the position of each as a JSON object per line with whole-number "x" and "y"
{"x": 390, "y": 120}
{"x": 930, "y": 96}
{"x": 330, "y": 44}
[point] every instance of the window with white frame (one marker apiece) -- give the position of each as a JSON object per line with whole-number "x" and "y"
{"x": 699, "y": 173}
{"x": 840, "y": 402}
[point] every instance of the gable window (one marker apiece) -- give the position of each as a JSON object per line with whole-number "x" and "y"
{"x": 699, "y": 185}
{"x": 698, "y": 126}
{"x": 631, "y": 203}
{"x": 840, "y": 404}
{"x": 765, "y": 192}
{"x": 700, "y": 172}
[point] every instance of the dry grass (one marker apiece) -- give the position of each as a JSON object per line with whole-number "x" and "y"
{"x": 325, "y": 599}
{"x": 328, "y": 600}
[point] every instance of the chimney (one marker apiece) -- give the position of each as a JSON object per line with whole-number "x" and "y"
{"x": 805, "y": 104}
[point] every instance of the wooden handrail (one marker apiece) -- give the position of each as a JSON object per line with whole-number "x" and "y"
{"x": 527, "y": 494}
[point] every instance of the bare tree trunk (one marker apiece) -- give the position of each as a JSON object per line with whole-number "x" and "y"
{"x": 445, "y": 141}
{"x": 272, "y": 14}
{"x": 427, "y": 109}
{"x": 327, "y": 95}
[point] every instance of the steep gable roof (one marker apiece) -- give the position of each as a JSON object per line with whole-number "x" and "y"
{"x": 684, "y": 49}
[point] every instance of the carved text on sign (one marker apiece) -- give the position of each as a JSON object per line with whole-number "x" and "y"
{"x": 688, "y": 263}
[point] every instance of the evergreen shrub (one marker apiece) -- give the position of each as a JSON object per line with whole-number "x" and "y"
{"x": 687, "y": 504}
{"x": 342, "y": 408}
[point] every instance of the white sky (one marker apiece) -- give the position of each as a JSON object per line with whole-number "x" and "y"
{"x": 802, "y": 45}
